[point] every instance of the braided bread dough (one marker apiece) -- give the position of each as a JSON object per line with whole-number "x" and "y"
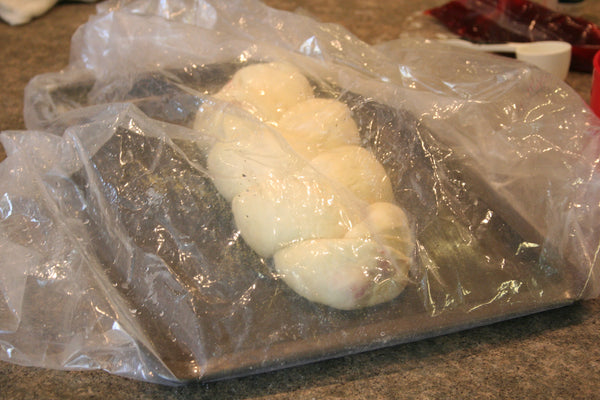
{"x": 304, "y": 193}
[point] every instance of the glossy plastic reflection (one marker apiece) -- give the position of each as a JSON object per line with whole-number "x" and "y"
{"x": 120, "y": 252}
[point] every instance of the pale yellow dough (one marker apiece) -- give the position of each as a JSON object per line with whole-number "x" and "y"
{"x": 267, "y": 90}
{"x": 304, "y": 192}
{"x": 316, "y": 125}
{"x": 356, "y": 169}
{"x": 248, "y": 152}
{"x": 277, "y": 212}
{"x": 343, "y": 273}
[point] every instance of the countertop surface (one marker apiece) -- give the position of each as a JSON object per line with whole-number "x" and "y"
{"x": 553, "y": 354}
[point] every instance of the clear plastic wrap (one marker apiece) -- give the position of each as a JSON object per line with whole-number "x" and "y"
{"x": 122, "y": 248}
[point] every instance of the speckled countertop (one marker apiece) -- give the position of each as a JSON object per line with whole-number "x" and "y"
{"x": 550, "y": 355}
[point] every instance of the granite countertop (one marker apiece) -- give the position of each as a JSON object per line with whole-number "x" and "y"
{"x": 553, "y": 354}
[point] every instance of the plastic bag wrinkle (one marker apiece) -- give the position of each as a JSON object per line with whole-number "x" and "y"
{"x": 70, "y": 300}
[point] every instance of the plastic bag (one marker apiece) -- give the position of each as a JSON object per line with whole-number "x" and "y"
{"x": 498, "y": 21}
{"x": 121, "y": 253}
